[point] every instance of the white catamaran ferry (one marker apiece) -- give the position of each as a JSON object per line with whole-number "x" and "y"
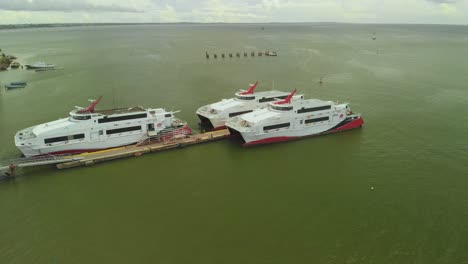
{"x": 292, "y": 119}
{"x": 214, "y": 116}
{"x": 89, "y": 130}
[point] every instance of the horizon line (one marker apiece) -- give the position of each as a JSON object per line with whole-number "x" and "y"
{"x": 3, "y": 26}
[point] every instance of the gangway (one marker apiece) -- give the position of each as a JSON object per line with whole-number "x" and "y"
{"x": 166, "y": 135}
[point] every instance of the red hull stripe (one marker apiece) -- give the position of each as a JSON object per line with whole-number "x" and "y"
{"x": 351, "y": 125}
{"x": 356, "y": 123}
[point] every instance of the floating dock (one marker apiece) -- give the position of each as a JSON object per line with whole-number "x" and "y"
{"x": 87, "y": 159}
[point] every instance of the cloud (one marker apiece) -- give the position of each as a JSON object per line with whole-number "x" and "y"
{"x": 62, "y": 5}
{"x": 248, "y": 11}
{"x": 443, "y": 1}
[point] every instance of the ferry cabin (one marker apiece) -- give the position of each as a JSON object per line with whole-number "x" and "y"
{"x": 304, "y": 116}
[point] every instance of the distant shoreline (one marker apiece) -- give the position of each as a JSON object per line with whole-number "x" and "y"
{"x": 22, "y": 26}
{"x": 58, "y": 25}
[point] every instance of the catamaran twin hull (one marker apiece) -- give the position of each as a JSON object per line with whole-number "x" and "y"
{"x": 214, "y": 116}
{"x": 292, "y": 119}
{"x": 88, "y": 130}
{"x": 352, "y": 122}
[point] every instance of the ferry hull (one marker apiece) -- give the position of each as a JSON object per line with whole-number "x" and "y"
{"x": 92, "y": 146}
{"x": 353, "y": 124}
{"x": 211, "y": 124}
{"x": 79, "y": 147}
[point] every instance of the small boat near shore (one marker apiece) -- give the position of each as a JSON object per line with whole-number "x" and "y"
{"x": 40, "y": 65}
{"x": 18, "y": 83}
{"x": 14, "y": 65}
{"x": 14, "y": 85}
{"x": 271, "y": 53}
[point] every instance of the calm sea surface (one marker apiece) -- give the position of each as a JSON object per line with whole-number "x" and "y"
{"x": 308, "y": 201}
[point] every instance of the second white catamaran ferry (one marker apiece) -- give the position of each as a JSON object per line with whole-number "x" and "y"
{"x": 214, "y": 116}
{"x": 292, "y": 119}
{"x": 89, "y": 130}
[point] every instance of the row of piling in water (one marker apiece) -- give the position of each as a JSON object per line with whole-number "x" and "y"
{"x": 238, "y": 54}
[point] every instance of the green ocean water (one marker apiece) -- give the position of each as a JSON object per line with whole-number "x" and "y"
{"x": 394, "y": 191}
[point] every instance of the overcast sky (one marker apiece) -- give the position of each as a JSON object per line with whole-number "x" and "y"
{"x": 356, "y": 11}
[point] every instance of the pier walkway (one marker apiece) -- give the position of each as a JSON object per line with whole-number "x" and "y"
{"x": 86, "y": 159}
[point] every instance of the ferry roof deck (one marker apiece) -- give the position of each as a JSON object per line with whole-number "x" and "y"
{"x": 117, "y": 111}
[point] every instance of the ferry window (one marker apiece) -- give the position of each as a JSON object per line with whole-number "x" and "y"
{"x": 239, "y": 113}
{"x": 78, "y": 136}
{"x": 120, "y": 118}
{"x": 55, "y": 139}
{"x": 122, "y": 130}
{"x": 167, "y": 115}
{"x": 76, "y": 117}
{"x": 313, "y": 120}
{"x": 246, "y": 97}
{"x": 101, "y": 132}
{"x": 282, "y": 108}
{"x": 271, "y": 99}
{"x": 276, "y": 126}
{"x": 313, "y": 109}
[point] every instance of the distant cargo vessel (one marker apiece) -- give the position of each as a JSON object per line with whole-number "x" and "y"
{"x": 89, "y": 130}
{"x": 214, "y": 116}
{"x": 292, "y": 119}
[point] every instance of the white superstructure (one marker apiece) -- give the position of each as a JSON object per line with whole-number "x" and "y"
{"x": 214, "y": 116}
{"x": 88, "y": 130}
{"x": 291, "y": 119}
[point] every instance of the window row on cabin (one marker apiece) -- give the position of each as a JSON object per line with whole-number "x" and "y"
{"x": 271, "y": 99}
{"x": 239, "y": 113}
{"x": 313, "y": 109}
{"x": 121, "y": 118}
{"x": 262, "y": 100}
{"x": 313, "y": 120}
{"x": 122, "y": 130}
{"x": 117, "y": 118}
{"x": 63, "y": 138}
{"x": 81, "y": 136}
{"x": 307, "y": 121}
